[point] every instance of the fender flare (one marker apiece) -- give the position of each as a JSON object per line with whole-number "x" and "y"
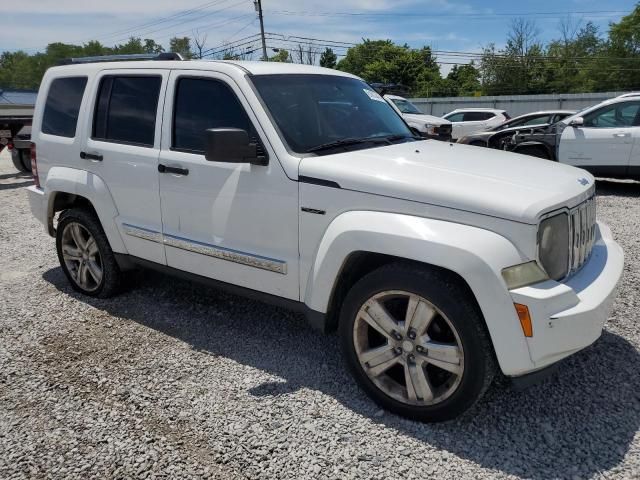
{"x": 475, "y": 254}
{"x": 90, "y": 186}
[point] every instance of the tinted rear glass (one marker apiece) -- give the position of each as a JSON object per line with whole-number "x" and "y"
{"x": 477, "y": 116}
{"x": 63, "y": 104}
{"x": 126, "y": 109}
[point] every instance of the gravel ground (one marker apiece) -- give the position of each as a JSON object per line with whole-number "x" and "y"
{"x": 174, "y": 380}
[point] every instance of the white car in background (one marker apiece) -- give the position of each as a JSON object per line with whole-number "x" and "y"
{"x": 470, "y": 120}
{"x": 429, "y": 126}
{"x": 602, "y": 139}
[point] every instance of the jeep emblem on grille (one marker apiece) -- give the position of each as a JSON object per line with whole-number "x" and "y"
{"x": 583, "y": 181}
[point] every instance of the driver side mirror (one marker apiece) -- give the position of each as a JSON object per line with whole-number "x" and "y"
{"x": 231, "y": 145}
{"x": 577, "y": 122}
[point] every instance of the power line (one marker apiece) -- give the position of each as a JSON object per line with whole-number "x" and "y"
{"x": 188, "y": 20}
{"x": 164, "y": 19}
{"x": 441, "y": 15}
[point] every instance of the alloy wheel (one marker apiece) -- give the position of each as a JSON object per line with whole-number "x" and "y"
{"x": 82, "y": 256}
{"x": 408, "y": 348}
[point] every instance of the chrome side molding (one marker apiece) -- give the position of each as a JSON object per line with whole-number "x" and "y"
{"x": 143, "y": 233}
{"x": 228, "y": 254}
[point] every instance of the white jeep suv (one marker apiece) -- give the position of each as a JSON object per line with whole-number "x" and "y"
{"x": 440, "y": 265}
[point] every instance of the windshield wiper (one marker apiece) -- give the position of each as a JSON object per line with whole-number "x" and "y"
{"x": 356, "y": 141}
{"x": 343, "y": 143}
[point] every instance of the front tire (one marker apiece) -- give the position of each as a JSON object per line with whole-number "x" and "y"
{"x": 414, "y": 341}
{"x": 85, "y": 255}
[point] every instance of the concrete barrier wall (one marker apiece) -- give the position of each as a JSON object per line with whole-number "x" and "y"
{"x": 514, "y": 104}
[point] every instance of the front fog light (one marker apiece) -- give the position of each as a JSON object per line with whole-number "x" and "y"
{"x": 523, "y": 275}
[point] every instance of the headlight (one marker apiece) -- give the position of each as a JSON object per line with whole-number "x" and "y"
{"x": 553, "y": 245}
{"x": 523, "y": 275}
{"x": 431, "y": 129}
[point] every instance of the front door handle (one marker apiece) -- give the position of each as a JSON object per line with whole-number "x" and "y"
{"x": 175, "y": 170}
{"x": 621, "y": 135}
{"x": 91, "y": 156}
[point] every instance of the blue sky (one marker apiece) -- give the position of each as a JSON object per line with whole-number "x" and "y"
{"x": 443, "y": 24}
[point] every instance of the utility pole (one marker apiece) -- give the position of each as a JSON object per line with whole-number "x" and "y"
{"x": 258, "y": 5}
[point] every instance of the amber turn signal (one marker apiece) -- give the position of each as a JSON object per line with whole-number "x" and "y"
{"x": 525, "y": 319}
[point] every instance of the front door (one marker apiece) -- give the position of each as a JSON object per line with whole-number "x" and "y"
{"x": 604, "y": 143}
{"x": 237, "y": 223}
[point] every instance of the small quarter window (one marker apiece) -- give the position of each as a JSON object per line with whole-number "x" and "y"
{"x": 63, "y": 105}
{"x": 126, "y": 109}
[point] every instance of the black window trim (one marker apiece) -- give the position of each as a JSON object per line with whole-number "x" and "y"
{"x": 176, "y": 84}
{"x": 97, "y": 98}
{"x": 84, "y": 92}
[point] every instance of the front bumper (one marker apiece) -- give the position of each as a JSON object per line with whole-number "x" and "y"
{"x": 569, "y": 316}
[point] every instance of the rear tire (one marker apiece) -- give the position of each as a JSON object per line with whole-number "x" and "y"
{"x": 85, "y": 254}
{"x": 25, "y": 159}
{"x": 432, "y": 364}
{"x": 18, "y": 161}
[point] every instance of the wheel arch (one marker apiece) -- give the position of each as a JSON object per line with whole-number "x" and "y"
{"x": 522, "y": 147}
{"x": 71, "y": 188}
{"x": 358, "y": 242}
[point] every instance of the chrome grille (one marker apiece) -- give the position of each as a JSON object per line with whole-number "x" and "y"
{"x": 582, "y": 228}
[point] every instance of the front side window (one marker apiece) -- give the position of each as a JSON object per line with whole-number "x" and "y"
{"x": 61, "y": 110}
{"x": 405, "y": 106}
{"x": 315, "y": 112}
{"x": 201, "y": 104}
{"x": 126, "y": 109}
{"x": 613, "y": 116}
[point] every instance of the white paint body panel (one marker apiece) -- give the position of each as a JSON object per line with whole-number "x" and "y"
{"x": 587, "y": 147}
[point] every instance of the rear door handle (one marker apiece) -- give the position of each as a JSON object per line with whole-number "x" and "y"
{"x": 621, "y": 135}
{"x": 91, "y": 156}
{"x": 175, "y": 170}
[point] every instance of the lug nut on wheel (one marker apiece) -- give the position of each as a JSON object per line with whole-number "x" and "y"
{"x": 412, "y": 334}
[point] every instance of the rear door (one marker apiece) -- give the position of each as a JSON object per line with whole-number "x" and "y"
{"x": 122, "y": 147}
{"x": 604, "y": 143}
{"x": 474, "y": 122}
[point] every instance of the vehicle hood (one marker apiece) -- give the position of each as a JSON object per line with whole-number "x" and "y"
{"x": 484, "y": 181}
{"x": 430, "y": 119}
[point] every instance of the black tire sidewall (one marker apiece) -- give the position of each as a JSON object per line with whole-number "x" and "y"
{"x": 455, "y": 303}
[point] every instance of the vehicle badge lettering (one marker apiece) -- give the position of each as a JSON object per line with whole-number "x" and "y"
{"x": 583, "y": 181}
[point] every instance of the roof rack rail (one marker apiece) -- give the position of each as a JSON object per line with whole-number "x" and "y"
{"x": 122, "y": 58}
{"x": 628, "y": 95}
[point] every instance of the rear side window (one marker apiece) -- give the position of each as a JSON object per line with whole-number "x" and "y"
{"x": 63, "y": 105}
{"x": 126, "y": 109}
{"x": 201, "y": 104}
{"x": 478, "y": 116}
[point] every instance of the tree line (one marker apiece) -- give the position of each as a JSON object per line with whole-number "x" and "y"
{"x": 581, "y": 59}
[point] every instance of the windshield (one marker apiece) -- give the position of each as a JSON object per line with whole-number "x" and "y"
{"x": 405, "y": 106}
{"x": 312, "y": 111}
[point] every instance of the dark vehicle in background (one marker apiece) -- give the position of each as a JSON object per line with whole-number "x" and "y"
{"x": 21, "y": 150}
{"x": 535, "y": 119}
